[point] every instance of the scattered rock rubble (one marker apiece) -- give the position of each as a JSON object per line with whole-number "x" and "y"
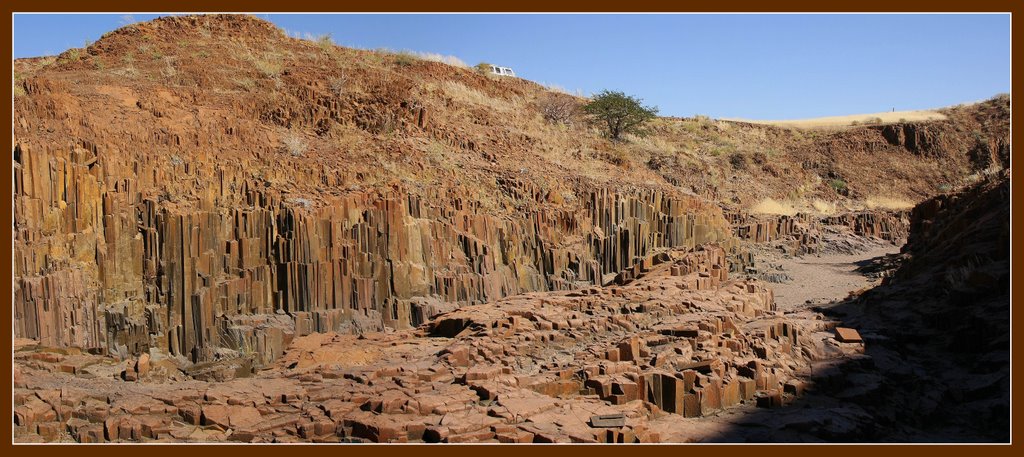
{"x": 673, "y": 341}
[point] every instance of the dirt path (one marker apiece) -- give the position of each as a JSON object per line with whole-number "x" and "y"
{"x": 823, "y": 279}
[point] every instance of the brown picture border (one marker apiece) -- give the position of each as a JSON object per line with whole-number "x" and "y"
{"x": 122, "y": 6}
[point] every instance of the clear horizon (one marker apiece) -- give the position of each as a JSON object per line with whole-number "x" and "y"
{"x": 749, "y": 66}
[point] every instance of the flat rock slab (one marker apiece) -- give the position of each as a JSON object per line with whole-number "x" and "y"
{"x": 848, "y": 335}
{"x": 608, "y": 420}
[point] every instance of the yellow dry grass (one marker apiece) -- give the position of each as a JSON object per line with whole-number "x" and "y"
{"x": 468, "y": 95}
{"x": 890, "y": 117}
{"x": 790, "y": 207}
{"x": 888, "y": 203}
{"x": 824, "y": 207}
{"x": 772, "y": 206}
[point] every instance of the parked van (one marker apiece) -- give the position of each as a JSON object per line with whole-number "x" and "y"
{"x": 502, "y": 71}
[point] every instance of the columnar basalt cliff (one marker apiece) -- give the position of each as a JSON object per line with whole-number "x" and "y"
{"x": 101, "y": 266}
{"x": 802, "y": 233}
{"x": 633, "y": 362}
{"x": 154, "y": 224}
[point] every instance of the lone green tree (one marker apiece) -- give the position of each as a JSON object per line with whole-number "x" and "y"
{"x": 620, "y": 112}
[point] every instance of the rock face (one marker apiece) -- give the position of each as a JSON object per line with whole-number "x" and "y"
{"x": 915, "y": 138}
{"x": 804, "y": 234}
{"x": 100, "y": 266}
{"x": 677, "y": 339}
{"x": 190, "y": 215}
{"x": 188, "y": 200}
{"x": 949, "y": 301}
{"x": 885, "y": 225}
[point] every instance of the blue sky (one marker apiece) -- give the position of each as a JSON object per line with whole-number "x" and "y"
{"x": 750, "y": 66}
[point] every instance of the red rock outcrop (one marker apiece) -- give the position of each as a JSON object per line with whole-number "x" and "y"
{"x": 802, "y": 233}
{"x": 158, "y": 214}
{"x": 103, "y": 268}
{"x": 938, "y": 328}
{"x": 631, "y": 362}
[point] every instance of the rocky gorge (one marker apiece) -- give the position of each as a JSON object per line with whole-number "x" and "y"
{"x": 316, "y": 243}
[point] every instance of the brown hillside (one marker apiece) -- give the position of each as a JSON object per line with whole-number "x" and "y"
{"x": 182, "y": 178}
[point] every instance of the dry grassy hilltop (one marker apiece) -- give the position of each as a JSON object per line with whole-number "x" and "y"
{"x": 225, "y": 233}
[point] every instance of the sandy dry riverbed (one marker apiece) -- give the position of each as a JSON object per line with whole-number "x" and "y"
{"x": 824, "y": 279}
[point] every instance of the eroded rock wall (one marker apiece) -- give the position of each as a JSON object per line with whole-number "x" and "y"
{"x": 101, "y": 265}
{"x": 634, "y": 362}
{"x": 802, "y": 233}
{"x": 949, "y": 300}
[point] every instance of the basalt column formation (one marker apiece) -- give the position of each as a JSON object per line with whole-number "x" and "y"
{"x": 633, "y": 362}
{"x": 802, "y": 233}
{"x": 101, "y": 265}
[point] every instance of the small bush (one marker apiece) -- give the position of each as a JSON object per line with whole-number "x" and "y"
{"x": 169, "y": 70}
{"x": 721, "y": 147}
{"x": 72, "y": 54}
{"x": 339, "y": 84}
{"x": 482, "y": 68}
{"x": 839, "y": 186}
{"x": 557, "y": 108}
{"x": 325, "y": 41}
{"x": 1001, "y": 97}
{"x": 294, "y": 144}
{"x": 738, "y": 161}
{"x": 760, "y": 158}
{"x": 269, "y": 68}
{"x": 246, "y": 84}
{"x": 404, "y": 59}
{"x": 128, "y": 70}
